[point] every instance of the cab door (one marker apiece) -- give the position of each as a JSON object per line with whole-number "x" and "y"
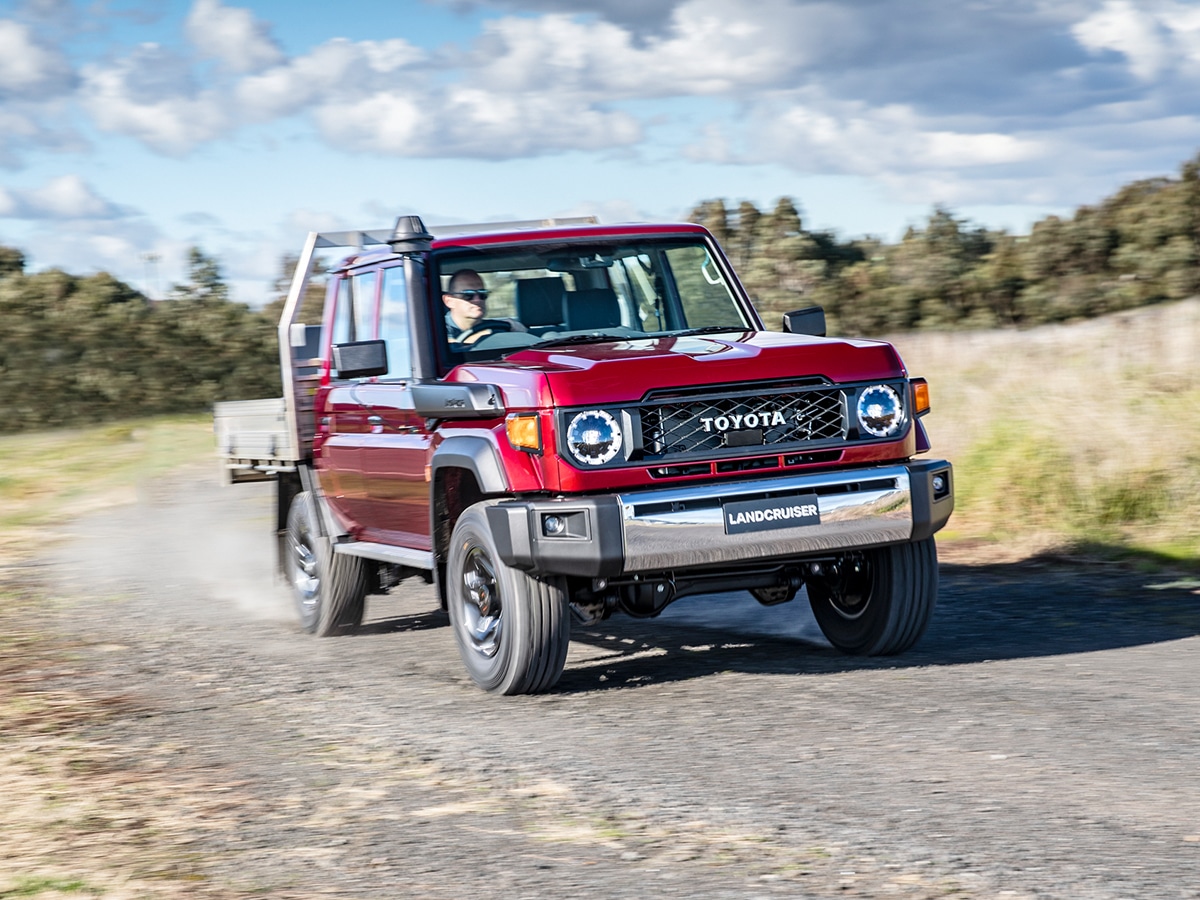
{"x": 344, "y": 417}
{"x": 396, "y": 445}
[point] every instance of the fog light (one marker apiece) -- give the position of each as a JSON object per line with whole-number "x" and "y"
{"x": 940, "y": 483}
{"x": 553, "y": 525}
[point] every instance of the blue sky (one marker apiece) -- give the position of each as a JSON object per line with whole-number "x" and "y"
{"x": 138, "y": 127}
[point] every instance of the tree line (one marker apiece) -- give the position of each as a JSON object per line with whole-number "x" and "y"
{"x": 78, "y": 349}
{"x": 1139, "y": 246}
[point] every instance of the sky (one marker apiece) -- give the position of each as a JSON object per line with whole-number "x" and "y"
{"x": 131, "y": 130}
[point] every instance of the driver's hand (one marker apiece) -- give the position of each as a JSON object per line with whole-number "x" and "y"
{"x": 476, "y": 335}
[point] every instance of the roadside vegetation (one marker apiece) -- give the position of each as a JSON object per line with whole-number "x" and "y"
{"x": 1138, "y": 247}
{"x": 82, "y": 816}
{"x": 50, "y": 477}
{"x": 93, "y": 349}
{"x": 1081, "y": 437}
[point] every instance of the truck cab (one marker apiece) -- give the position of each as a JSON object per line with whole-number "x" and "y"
{"x": 560, "y": 421}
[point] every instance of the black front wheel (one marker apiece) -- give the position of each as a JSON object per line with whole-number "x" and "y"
{"x": 876, "y": 602}
{"x": 512, "y": 629}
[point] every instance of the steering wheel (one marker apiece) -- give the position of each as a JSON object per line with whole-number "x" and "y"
{"x": 483, "y": 328}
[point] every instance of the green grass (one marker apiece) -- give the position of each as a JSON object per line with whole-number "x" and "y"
{"x": 50, "y": 476}
{"x": 1083, "y": 436}
{"x": 32, "y": 887}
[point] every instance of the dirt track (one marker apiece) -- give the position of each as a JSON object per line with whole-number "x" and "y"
{"x": 1042, "y": 741}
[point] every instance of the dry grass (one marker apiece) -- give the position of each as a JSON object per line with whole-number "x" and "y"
{"x": 50, "y": 477}
{"x": 81, "y": 817}
{"x": 1086, "y": 433}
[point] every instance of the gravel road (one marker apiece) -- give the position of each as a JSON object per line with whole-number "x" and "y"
{"x": 1042, "y": 741}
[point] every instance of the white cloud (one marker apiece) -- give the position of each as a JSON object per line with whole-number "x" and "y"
{"x": 69, "y": 197}
{"x": 712, "y": 47}
{"x": 147, "y": 96}
{"x": 470, "y": 117}
{"x": 1126, "y": 29}
{"x": 66, "y": 198}
{"x": 387, "y": 123}
{"x": 474, "y": 123}
{"x": 28, "y": 68}
{"x": 640, "y": 16}
{"x": 336, "y": 69}
{"x": 812, "y": 133}
{"x": 231, "y": 35}
{"x": 986, "y": 96}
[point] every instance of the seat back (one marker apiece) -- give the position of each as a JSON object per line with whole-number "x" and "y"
{"x": 540, "y": 303}
{"x": 592, "y": 308}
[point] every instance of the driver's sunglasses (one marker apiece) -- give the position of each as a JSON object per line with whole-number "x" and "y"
{"x": 472, "y": 294}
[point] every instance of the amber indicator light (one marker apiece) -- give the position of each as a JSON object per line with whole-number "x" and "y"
{"x": 524, "y": 431}
{"x": 920, "y": 389}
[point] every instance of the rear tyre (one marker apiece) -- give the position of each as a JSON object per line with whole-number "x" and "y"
{"x": 877, "y": 602}
{"x": 330, "y": 589}
{"x": 512, "y": 630}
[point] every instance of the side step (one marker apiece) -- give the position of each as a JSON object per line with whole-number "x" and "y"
{"x": 404, "y": 556}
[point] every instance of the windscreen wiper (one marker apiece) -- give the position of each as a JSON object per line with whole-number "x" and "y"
{"x": 593, "y": 337}
{"x": 707, "y": 329}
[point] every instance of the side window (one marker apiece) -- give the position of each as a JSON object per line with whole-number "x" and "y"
{"x": 393, "y": 323}
{"x": 363, "y": 288}
{"x": 343, "y": 321}
{"x": 634, "y": 284}
{"x": 702, "y": 290}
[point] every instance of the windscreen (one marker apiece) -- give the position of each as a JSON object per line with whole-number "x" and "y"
{"x": 496, "y": 301}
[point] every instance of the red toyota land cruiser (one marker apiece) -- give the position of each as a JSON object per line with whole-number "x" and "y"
{"x": 609, "y": 429}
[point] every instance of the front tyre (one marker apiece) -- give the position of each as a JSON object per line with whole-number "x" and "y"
{"x": 330, "y": 589}
{"x": 512, "y": 629}
{"x": 877, "y": 602}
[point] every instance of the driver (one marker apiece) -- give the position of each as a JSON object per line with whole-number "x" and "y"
{"x": 466, "y": 307}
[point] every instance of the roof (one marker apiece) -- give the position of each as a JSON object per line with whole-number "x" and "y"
{"x": 374, "y": 244}
{"x": 569, "y": 233}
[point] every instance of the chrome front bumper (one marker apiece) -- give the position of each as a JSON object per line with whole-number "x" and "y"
{"x": 667, "y": 529}
{"x": 684, "y": 527}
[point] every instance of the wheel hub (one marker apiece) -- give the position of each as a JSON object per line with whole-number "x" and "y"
{"x": 847, "y": 584}
{"x": 481, "y": 606}
{"x": 306, "y": 576}
{"x": 480, "y": 592}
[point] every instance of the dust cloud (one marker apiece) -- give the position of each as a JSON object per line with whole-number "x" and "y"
{"x": 208, "y": 550}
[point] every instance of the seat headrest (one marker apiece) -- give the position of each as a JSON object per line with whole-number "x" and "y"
{"x": 592, "y": 308}
{"x": 540, "y": 301}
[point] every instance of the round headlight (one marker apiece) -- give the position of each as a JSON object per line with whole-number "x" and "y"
{"x": 593, "y": 437}
{"x": 879, "y": 411}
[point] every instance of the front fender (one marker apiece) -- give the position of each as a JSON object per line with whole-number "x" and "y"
{"x": 477, "y": 455}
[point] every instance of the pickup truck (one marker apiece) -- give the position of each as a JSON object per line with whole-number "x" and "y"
{"x": 557, "y": 421}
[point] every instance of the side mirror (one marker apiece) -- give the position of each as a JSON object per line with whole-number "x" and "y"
{"x": 810, "y": 320}
{"x": 360, "y": 359}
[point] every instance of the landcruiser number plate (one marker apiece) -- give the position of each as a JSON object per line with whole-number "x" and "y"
{"x": 775, "y": 512}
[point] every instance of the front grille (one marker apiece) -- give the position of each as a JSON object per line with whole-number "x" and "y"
{"x": 702, "y": 425}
